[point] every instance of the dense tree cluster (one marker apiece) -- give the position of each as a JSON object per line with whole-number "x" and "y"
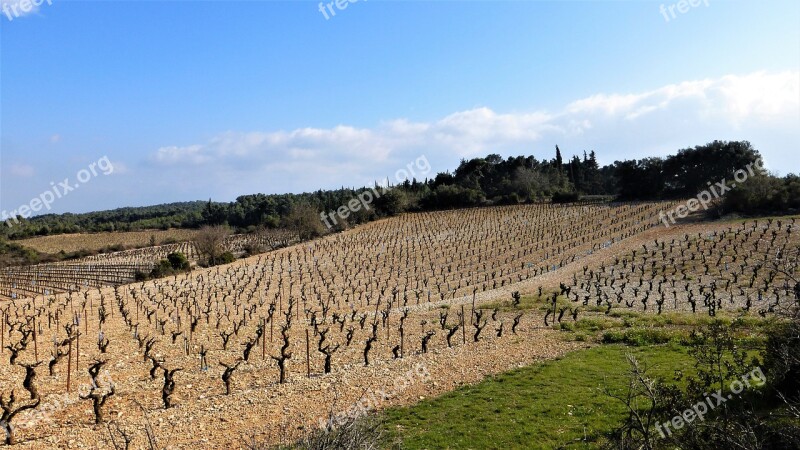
{"x": 765, "y": 195}
{"x": 173, "y": 215}
{"x": 486, "y": 181}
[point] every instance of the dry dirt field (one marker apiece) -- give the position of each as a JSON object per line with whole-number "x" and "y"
{"x": 97, "y": 241}
{"x": 392, "y": 291}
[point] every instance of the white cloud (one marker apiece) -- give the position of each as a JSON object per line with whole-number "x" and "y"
{"x": 55, "y": 139}
{"x": 466, "y": 133}
{"x": 761, "y": 107}
{"x": 607, "y": 104}
{"x": 192, "y": 154}
{"x": 119, "y": 168}
{"x": 22, "y": 170}
{"x": 761, "y": 96}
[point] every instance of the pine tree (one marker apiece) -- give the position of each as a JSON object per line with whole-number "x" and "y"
{"x": 559, "y": 160}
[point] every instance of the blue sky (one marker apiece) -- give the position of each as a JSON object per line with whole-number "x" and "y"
{"x": 211, "y": 99}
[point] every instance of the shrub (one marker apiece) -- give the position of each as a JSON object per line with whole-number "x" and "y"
{"x": 758, "y": 418}
{"x": 251, "y": 249}
{"x": 174, "y": 264}
{"x": 782, "y": 356}
{"x": 178, "y": 261}
{"x": 227, "y": 258}
{"x": 638, "y": 337}
{"x": 354, "y": 433}
{"x": 565, "y": 197}
{"x": 141, "y": 276}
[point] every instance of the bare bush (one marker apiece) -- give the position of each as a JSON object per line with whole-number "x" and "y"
{"x": 210, "y": 243}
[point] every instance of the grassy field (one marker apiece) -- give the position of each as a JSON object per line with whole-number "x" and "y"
{"x": 557, "y": 404}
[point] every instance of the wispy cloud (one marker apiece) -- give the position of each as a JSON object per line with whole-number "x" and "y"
{"x": 22, "y": 170}
{"x": 725, "y": 108}
{"x": 464, "y": 134}
{"x": 761, "y": 97}
{"x": 192, "y": 154}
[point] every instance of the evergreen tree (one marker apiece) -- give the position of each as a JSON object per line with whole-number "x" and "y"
{"x": 559, "y": 160}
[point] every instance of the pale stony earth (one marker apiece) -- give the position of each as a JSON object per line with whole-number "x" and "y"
{"x": 272, "y": 411}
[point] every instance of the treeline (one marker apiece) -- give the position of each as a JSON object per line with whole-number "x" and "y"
{"x": 172, "y": 215}
{"x": 709, "y": 168}
{"x": 486, "y": 181}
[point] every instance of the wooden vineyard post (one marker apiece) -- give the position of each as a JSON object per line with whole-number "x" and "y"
{"x": 472, "y": 313}
{"x": 77, "y": 350}
{"x": 35, "y": 343}
{"x": 191, "y": 333}
{"x": 69, "y": 364}
{"x": 3, "y": 334}
{"x": 463, "y": 330}
{"x": 402, "y": 342}
{"x": 77, "y": 322}
{"x": 263, "y": 339}
{"x": 308, "y": 356}
{"x": 86, "y": 319}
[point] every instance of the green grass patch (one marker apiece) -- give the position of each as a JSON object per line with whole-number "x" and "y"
{"x": 590, "y": 324}
{"x": 557, "y": 404}
{"x": 638, "y": 328}
{"x": 528, "y": 302}
{"x": 640, "y": 337}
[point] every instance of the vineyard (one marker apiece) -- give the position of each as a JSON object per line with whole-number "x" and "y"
{"x": 116, "y": 268}
{"x": 111, "y": 269}
{"x": 284, "y": 339}
{"x": 738, "y": 268}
